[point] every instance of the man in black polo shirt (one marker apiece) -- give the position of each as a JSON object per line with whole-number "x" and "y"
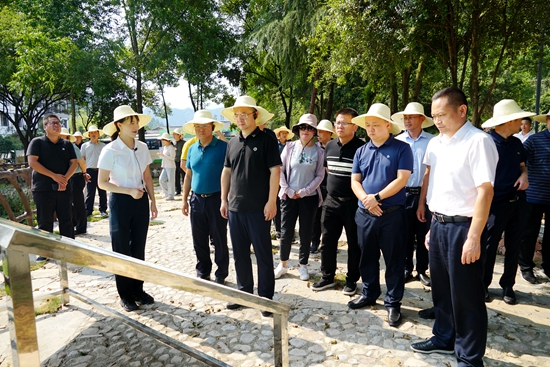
{"x": 249, "y": 185}
{"x": 341, "y": 204}
{"x": 53, "y": 161}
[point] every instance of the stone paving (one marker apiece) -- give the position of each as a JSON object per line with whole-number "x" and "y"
{"x": 323, "y": 331}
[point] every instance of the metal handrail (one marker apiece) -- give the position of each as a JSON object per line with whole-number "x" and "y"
{"x": 18, "y": 241}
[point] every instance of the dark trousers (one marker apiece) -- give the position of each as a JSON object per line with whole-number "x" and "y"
{"x": 207, "y": 223}
{"x": 79, "y": 207}
{"x": 50, "y": 203}
{"x": 336, "y": 216}
{"x": 246, "y": 228}
{"x": 91, "y": 188}
{"x": 180, "y": 177}
{"x": 317, "y": 224}
{"x": 509, "y": 219}
{"x": 458, "y": 294}
{"x": 386, "y": 234}
{"x": 128, "y": 224}
{"x": 529, "y": 239}
{"x": 277, "y": 218}
{"x": 291, "y": 210}
{"x": 416, "y": 236}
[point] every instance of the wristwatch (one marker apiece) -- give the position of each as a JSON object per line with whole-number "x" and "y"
{"x": 377, "y": 197}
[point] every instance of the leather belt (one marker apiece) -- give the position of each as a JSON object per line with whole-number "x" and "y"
{"x": 391, "y": 209}
{"x": 208, "y": 195}
{"x": 450, "y": 219}
{"x": 344, "y": 198}
{"x": 413, "y": 190}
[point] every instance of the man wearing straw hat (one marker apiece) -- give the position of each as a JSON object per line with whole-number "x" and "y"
{"x": 90, "y": 152}
{"x": 178, "y": 135}
{"x": 508, "y": 208}
{"x": 249, "y": 185}
{"x": 204, "y": 168}
{"x": 380, "y": 172}
{"x": 460, "y": 173}
{"x": 78, "y": 139}
{"x": 413, "y": 120}
{"x": 538, "y": 197}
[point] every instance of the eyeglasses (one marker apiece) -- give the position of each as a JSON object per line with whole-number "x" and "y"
{"x": 306, "y": 127}
{"x": 201, "y": 126}
{"x": 54, "y": 123}
{"x": 242, "y": 115}
{"x": 343, "y": 124}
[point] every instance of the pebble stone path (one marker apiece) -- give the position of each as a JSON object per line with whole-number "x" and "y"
{"x": 323, "y": 331}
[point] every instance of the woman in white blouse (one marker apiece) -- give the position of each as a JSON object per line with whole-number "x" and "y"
{"x": 124, "y": 172}
{"x": 167, "y": 153}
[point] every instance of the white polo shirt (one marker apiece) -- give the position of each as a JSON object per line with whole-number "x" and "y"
{"x": 458, "y": 166}
{"x": 126, "y": 165}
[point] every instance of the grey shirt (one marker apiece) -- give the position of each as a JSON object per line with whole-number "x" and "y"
{"x": 90, "y": 152}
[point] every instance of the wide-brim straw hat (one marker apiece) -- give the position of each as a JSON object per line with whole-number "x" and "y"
{"x": 504, "y": 111}
{"x": 326, "y": 125}
{"x": 122, "y": 112}
{"x": 378, "y": 111}
{"x": 541, "y": 118}
{"x": 91, "y": 129}
{"x": 306, "y": 119}
{"x": 247, "y": 101}
{"x": 77, "y": 134}
{"x": 178, "y": 131}
{"x": 413, "y": 108}
{"x": 65, "y": 132}
{"x": 284, "y": 128}
{"x": 201, "y": 117}
{"x": 164, "y": 136}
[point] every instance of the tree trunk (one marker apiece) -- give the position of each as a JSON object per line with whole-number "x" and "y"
{"x": 405, "y": 85}
{"x": 474, "y": 76}
{"x": 139, "y": 102}
{"x": 313, "y": 93}
{"x": 73, "y": 114}
{"x": 191, "y": 96}
{"x": 393, "y": 93}
{"x": 418, "y": 80}
{"x": 165, "y": 110}
{"x": 330, "y": 102}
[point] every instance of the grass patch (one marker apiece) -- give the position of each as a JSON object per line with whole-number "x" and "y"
{"x": 275, "y": 249}
{"x": 51, "y": 305}
{"x": 155, "y": 223}
{"x": 38, "y": 265}
{"x": 96, "y": 216}
{"x": 2, "y": 290}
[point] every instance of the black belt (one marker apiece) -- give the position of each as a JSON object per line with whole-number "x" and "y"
{"x": 208, "y": 195}
{"x": 514, "y": 199}
{"x": 391, "y": 209}
{"x": 91, "y": 169}
{"x": 413, "y": 190}
{"x": 450, "y": 219}
{"x": 344, "y": 198}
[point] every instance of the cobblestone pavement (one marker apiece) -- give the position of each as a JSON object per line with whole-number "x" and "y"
{"x": 322, "y": 330}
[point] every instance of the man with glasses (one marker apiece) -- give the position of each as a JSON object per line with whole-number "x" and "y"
{"x": 340, "y": 205}
{"x": 53, "y": 161}
{"x": 204, "y": 168}
{"x": 249, "y": 185}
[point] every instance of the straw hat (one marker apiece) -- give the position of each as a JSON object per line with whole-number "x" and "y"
{"x": 178, "y": 131}
{"x": 378, "y": 111}
{"x": 65, "y": 132}
{"x": 164, "y": 136}
{"x": 77, "y": 134}
{"x": 284, "y": 128}
{"x": 91, "y": 129}
{"x": 122, "y": 112}
{"x": 541, "y": 118}
{"x": 413, "y": 108}
{"x": 201, "y": 117}
{"x": 306, "y": 119}
{"x": 326, "y": 125}
{"x": 504, "y": 111}
{"x": 247, "y": 101}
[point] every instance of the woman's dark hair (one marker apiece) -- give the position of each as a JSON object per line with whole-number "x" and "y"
{"x": 121, "y": 121}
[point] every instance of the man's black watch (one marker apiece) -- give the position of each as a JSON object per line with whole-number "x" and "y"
{"x": 377, "y": 197}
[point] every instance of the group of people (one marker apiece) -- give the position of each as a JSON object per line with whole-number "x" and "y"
{"x": 450, "y": 197}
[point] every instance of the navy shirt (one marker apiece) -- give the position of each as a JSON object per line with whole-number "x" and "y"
{"x": 378, "y": 167}
{"x": 510, "y": 154}
{"x": 538, "y": 168}
{"x": 339, "y": 161}
{"x": 250, "y": 159}
{"x": 207, "y": 165}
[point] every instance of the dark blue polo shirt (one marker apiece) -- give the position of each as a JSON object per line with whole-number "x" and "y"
{"x": 538, "y": 167}
{"x": 378, "y": 167}
{"x": 207, "y": 165}
{"x": 510, "y": 154}
{"x": 250, "y": 159}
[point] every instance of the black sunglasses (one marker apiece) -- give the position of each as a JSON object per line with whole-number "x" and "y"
{"x": 307, "y": 127}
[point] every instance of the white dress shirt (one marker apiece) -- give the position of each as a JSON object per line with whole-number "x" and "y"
{"x": 522, "y": 137}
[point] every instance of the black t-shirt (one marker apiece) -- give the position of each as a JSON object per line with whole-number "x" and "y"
{"x": 250, "y": 159}
{"x": 339, "y": 160}
{"x": 55, "y": 157}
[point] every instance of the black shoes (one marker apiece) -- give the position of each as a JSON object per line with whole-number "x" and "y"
{"x": 425, "y": 280}
{"x": 350, "y": 289}
{"x": 428, "y": 347}
{"x": 360, "y": 302}
{"x": 487, "y": 297}
{"x": 128, "y": 304}
{"x": 428, "y": 313}
{"x": 323, "y": 284}
{"x": 509, "y": 296}
{"x": 394, "y": 317}
{"x": 220, "y": 281}
{"x": 233, "y": 306}
{"x": 408, "y": 276}
{"x": 529, "y": 276}
{"x": 314, "y": 249}
{"x": 267, "y": 314}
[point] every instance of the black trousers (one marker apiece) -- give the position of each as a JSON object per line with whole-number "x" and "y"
{"x": 277, "y": 218}
{"x": 386, "y": 234}
{"x": 416, "y": 236}
{"x": 91, "y": 188}
{"x": 529, "y": 239}
{"x": 246, "y": 228}
{"x": 458, "y": 293}
{"x": 59, "y": 203}
{"x": 291, "y": 210}
{"x": 180, "y": 177}
{"x": 128, "y": 224}
{"x": 79, "y": 206}
{"x": 207, "y": 223}
{"x": 317, "y": 224}
{"x": 509, "y": 219}
{"x": 336, "y": 216}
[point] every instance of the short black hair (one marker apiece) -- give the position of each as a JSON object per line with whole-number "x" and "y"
{"x": 455, "y": 96}
{"x": 527, "y": 119}
{"x": 347, "y": 111}
{"x": 47, "y": 118}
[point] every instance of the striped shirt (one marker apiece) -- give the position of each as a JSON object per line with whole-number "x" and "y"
{"x": 339, "y": 161}
{"x": 538, "y": 168}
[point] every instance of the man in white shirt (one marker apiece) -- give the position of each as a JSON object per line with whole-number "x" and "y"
{"x": 525, "y": 131}
{"x": 460, "y": 173}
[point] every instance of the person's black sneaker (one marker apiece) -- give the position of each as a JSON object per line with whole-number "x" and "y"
{"x": 233, "y": 306}
{"x": 428, "y": 347}
{"x": 144, "y": 299}
{"x": 323, "y": 284}
{"x": 219, "y": 281}
{"x": 487, "y": 297}
{"x": 529, "y": 276}
{"x": 350, "y": 289}
{"x": 425, "y": 280}
{"x": 128, "y": 304}
{"x": 267, "y": 314}
{"x": 509, "y": 296}
{"x": 314, "y": 249}
{"x": 408, "y": 276}
{"x": 428, "y": 313}
{"x": 41, "y": 258}
{"x": 204, "y": 277}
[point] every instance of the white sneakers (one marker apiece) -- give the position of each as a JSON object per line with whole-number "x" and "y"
{"x": 280, "y": 270}
{"x": 304, "y": 275}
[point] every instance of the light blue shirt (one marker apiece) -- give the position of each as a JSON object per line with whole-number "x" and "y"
{"x": 418, "y": 148}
